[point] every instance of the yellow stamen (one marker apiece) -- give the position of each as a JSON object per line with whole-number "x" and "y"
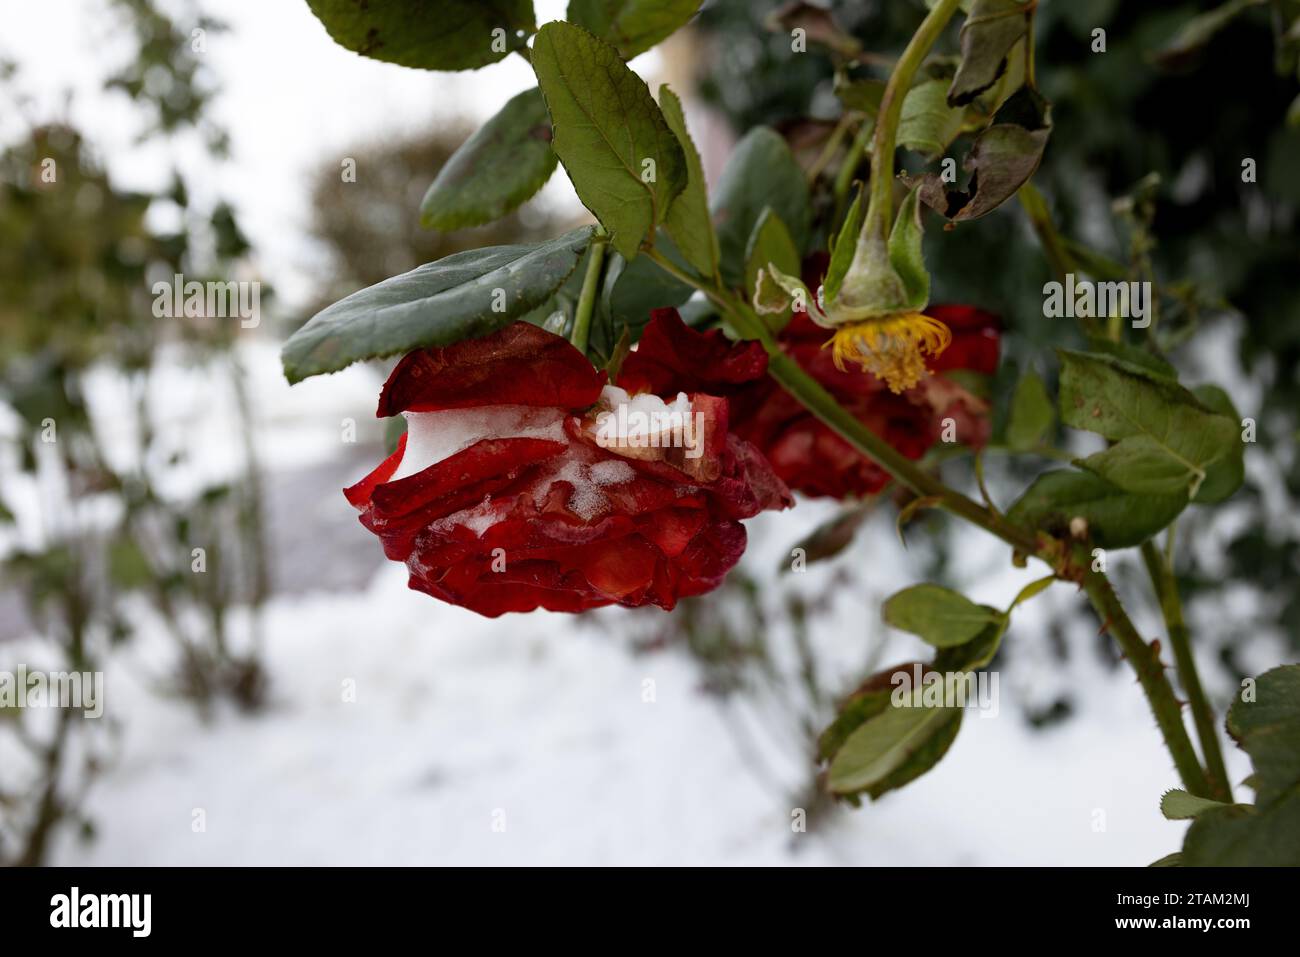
{"x": 891, "y": 348}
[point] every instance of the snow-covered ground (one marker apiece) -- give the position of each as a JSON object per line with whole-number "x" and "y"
{"x": 462, "y": 725}
{"x": 404, "y": 731}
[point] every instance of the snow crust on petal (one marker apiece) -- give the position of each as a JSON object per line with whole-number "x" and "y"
{"x": 432, "y": 437}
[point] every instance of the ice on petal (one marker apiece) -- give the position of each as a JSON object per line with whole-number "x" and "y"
{"x": 477, "y": 519}
{"x": 434, "y": 436}
{"x": 641, "y": 420}
{"x": 611, "y": 472}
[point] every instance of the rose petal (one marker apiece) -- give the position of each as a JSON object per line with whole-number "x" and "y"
{"x": 521, "y": 364}
{"x": 671, "y": 357}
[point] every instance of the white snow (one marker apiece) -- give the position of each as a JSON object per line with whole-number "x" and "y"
{"x": 434, "y": 436}
{"x": 627, "y": 423}
{"x": 540, "y": 721}
{"x": 644, "y": 407}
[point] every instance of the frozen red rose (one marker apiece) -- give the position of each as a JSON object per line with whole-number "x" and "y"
{"x": 525, "y": 481}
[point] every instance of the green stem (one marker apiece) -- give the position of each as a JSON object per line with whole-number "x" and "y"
{"x": 1145, "y": 660}
{"x": 830, "y": 149}
{"x": 822, "y": 404}
{"x": 587, "y": 297}
{"x": 844, "y": 178}
{"x": 1035, "y": 206}
{"x": 1166, "y": 589}
{"x": 880, "y": 206}
{"x": 1058, "y": 255}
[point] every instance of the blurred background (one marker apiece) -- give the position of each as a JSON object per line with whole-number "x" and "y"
{"x": 171, "y": 514}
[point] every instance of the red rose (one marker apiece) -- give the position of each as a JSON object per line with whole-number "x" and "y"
{"x": 807, "y": 455}
{"x": 813, "y": 459}
{"x": 511, "y": 492}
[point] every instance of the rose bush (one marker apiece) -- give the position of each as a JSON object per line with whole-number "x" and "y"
{"x": 508, "y": 493}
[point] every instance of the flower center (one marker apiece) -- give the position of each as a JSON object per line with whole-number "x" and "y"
{"x": 893, "y": 349}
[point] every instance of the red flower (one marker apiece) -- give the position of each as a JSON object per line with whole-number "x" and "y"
{"x": 812, "y": 459}
{"x": 511, "y": 492}
{"x": 804, "y": 453}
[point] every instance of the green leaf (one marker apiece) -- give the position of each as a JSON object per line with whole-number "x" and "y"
{"x": 1178, "y": 805}
{"x": 1001, "y": 160}
{"x": 905, "y": 252}
{"x": 634, "y": 288}
{"x": 865, "y": 703}
{"x": 1149, "y": 466}
{"x": 1032, "y": 589}
{"x": 1196, "y": 33}
{"x": 1031, "y": 415}
{"x": 1148, "y": 363}
{"x": 1116, "y": 518}
{"x": 1169, "y": 860}
{"x": 923, "y": 757}
{"x": 556, "y": 313}
{"x": 1268, "y": 729}
{"x": 1164, "y": 438}
{"x": 887, "y": 742}
{"x": 1268, "y": 832}
{"x": 938, "y": 615}
{"x": 434, "y": 305}
{"x": 775, "y": 292}
{"x": 761, "y": 172}
{"x": 770, "y": 245}
{"x": 1095, "y": 264}
{"x": 1245, "y": 836}
{"x": 609, "y": 133}
{"x": 458, "y": 35}
{"x": 928, "y": 124}
{"x": 504, "y": 163}
{"x": 974, "y": 654}
{"x": 862, "y": 95}
{"x": 1224, "y": 476}
{"x": 990, "y": 31}
{"x": 633, "y": 26}
{"x": 689, "y": 222}
{"x": 843, "y": 248}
